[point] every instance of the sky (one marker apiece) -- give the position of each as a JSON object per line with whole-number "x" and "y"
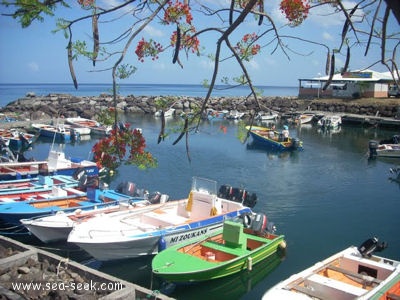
{"x": 38, "y": 55}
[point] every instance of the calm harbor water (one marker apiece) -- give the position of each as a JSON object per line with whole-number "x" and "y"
{"x": 325, "y": 198}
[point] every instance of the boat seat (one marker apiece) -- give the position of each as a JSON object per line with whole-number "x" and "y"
{"x": 334, "y": 288}
{"x": 163, "y": 219}
{"x": 219, "y": 247}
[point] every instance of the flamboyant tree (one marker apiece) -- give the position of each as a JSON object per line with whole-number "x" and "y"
{"x": 365, "y": 25}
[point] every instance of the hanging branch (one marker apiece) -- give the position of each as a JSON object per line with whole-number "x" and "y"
{"x": 261, "y": 8}
{"x": 95, "y": 30}
{"x": 346, "y": 24}
{"x": 372, "y": 28}
{"x": 70, "y": 58}
{"x": 162, "y": 130}
{"x": 177, "y": 44}
{"x": 332, "y": 72}
{"x": 346, "y": 63}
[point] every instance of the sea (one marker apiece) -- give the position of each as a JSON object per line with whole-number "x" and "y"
{"x": 324, "y": 198}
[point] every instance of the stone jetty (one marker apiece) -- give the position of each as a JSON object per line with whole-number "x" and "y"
{"x": 33, "y": 107}
{"x": 30, "y": 273}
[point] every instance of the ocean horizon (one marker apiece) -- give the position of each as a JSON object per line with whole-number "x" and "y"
{"x": 10, "y": 92}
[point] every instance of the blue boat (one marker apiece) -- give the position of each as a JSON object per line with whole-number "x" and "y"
{"x": 16, "y": 139}
{"x": 19, "y": 187}
{"x": 60, "y": 199}
{"x": 273, "y": 140}
{"x": 56, "y": 163}
{"x": 58, "y": 133}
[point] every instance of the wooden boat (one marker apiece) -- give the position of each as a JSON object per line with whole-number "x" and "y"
{"x": 234, "y": 115}
{"x": 228, "y": 251}
{"x": 56, "y": 227}
{"x": 17, "y": 139}
{"x": 216, "y": 115}
{"x": 267, "y": 116}
{"x": 55, "y": 163}
{"x": 95, "y": 127}
{"x": 354, "y": 273}
{"x": 385, "y": 148}
{"x": 304, "y": 118}
{"x": 39, "y": 184}
{"x": 272, "y": 139}
{"x": 59, "y": 132}
{"x": 132, "y": 234}
{"x": 330, "y": 122}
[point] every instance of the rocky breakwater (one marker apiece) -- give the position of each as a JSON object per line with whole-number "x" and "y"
{"x": 66, "y": 105}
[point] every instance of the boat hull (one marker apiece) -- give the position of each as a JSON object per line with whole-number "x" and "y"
{"x": 131, "y": 246}
{"x": 194, "y": 269}
{"x": 261, "y": 139}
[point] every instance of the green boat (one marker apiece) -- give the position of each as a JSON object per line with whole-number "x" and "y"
{"x": 236, "y": 247}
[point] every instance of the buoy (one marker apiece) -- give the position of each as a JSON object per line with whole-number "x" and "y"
{"x": 249, "y": 263}
{"x": 282, "y": 245}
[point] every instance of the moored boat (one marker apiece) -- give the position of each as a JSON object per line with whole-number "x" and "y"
{"x": 273, "y": 139}
{"x": 55, "y": 163}
{"x": 131, "y": 234}
{"x": 227, "y": 251}
{"x": 304, "y": 118}
{"x": 21, "y": 187}
{"x": 95, "y": 127}
{"x": 330, "y": 122}
{"x": 17, "y": 139}
{"x": 56, "y": 227}
{"x": 353, "y": 273}
{"x": 59, "y": 132}
{"x": 383, "y": 150}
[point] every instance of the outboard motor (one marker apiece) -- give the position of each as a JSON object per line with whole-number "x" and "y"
{"x": 225, "y": 191}
{"x": 296, "y": 143}
{"x": 373, "y": 145}
{"x": 127, "y": 188}
{"x": 370, "y": 246}
{"x": 250, "y": 200}
{"x": 259, "y": 223}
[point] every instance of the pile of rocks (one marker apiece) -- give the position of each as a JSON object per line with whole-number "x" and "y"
{"x": 66, "y": 105}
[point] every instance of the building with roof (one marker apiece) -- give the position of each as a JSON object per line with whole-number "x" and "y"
{"x": 355, "y": 84}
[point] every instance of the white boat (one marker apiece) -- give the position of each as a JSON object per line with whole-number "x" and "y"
{"x": 235, "y": 115}
{"x": 267, "y": 116}
{"x": 58, "y": 132}
{"x": 131, "y": 234}
{"x": 354, "y": 273}
{"x": 168, "y": 113}
{"x": 55, "y": 163}
{"x": 384, "y": 150}
{"x": 95, "y": 127}
{"x": 81, "y": 131}
{"x": 304, "y": 118}
{"x": 57, "y": 227}
{"x": 330, "y": 122}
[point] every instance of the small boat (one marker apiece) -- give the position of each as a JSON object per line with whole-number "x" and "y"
{"x": 59, "y": 132}
{"x": 131, "y": 234}
{"x": 167, "y": 114}
{"x": 20, "y": 187}
{"x": 55, "y": 163}
{"x": 56, "y": 227}
{"x": 304, "y": 118}
{"x": 330, "y": 122}
{"x": 95, "y": 127}
{"x": 267, "y": 116}
{"x": 272, "y": 139}
{"x": 216, "y": 115}
{"x": 230, "y": 250}
{"x": 383, "y": 150}
{"x": 78, "y": 131}
{"x": 234, "y": 115}
{"x": 354, "y": 273}
{"x": 17, "y": 139}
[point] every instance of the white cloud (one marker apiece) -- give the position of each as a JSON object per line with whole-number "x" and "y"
{"x": 327, "y": 36}
{"x": 33, "y": 66}
{"x": 153, "y": 32}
